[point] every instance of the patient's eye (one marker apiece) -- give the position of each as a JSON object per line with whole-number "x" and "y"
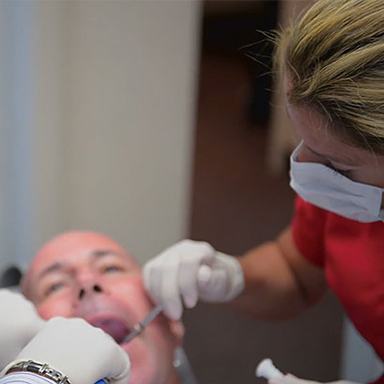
{"x": 52, "y": 288}
{"x": 112, "y": 268}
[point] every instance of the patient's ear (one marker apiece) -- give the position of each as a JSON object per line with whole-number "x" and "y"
{"x": 177, "y": 329}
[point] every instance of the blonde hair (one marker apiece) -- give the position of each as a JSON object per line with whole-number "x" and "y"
{"x": 334, "y": 58}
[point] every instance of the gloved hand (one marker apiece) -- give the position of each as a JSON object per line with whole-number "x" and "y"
{"x": 192, "y": 270}
{"x": 19, "y": 322}
{"x": 83, "y": 353}
{"x": 290, "y": 379}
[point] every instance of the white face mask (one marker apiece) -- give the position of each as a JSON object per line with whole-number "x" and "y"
{"x": 330, "y": 190}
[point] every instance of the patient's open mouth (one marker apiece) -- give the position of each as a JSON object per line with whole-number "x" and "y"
{"x": 114, "y": 327}
{"x": 109, "y": 315}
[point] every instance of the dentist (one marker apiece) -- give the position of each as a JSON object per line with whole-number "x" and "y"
{"x": 332, "y": 63}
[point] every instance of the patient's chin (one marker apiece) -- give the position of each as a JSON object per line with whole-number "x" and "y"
{"x": 144, "y": 362}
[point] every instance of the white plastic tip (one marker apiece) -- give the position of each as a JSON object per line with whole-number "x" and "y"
{"x": 267, "y": 370}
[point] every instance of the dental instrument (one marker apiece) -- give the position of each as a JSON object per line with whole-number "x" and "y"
{"x": 267, "y": 370}
{"x": 141, "y": 325}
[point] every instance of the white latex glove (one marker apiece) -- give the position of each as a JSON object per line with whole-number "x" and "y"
{"x": 191, "y": 270}
{"x": 290, "y": 379}
{"x": 19, "y": 322}
{"x": 85, "y": 354}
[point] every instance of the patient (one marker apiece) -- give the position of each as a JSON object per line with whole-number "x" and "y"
{"x": 88, "y": 275}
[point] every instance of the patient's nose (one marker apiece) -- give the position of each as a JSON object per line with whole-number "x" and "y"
{"x": 93, "y": 288}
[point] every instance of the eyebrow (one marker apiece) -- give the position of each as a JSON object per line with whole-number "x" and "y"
{"x": 56, "y": 267}
{"x": 59, "y": 267}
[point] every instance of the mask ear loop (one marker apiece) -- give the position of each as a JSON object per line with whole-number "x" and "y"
{"x": 296, "y": 151}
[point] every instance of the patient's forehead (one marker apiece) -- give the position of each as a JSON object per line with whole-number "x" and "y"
{"x": 71, "y": 247}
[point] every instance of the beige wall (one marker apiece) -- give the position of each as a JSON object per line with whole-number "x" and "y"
{"x": 104, "y": 92}
{"x": 130, "y": 119}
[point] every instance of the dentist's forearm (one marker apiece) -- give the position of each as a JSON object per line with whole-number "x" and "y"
{"x": 279, "y": 282}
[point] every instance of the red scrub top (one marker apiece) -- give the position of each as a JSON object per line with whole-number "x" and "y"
{"x": 352, "y": 256}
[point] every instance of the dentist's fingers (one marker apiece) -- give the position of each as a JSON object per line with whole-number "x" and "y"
{"x": 160, "y": 280}
{"x": 169, "y": 292}
{"x": 152, "y": 281}
{"x": 191, "y": 262}
{"x": 187, "y": 282}
{"x": 171, "y": 277}
{"x": 215, "y": 285}
{"x": 204, "y": 275}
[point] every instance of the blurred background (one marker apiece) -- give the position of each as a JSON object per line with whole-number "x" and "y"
{"x": 146, "y": 120}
